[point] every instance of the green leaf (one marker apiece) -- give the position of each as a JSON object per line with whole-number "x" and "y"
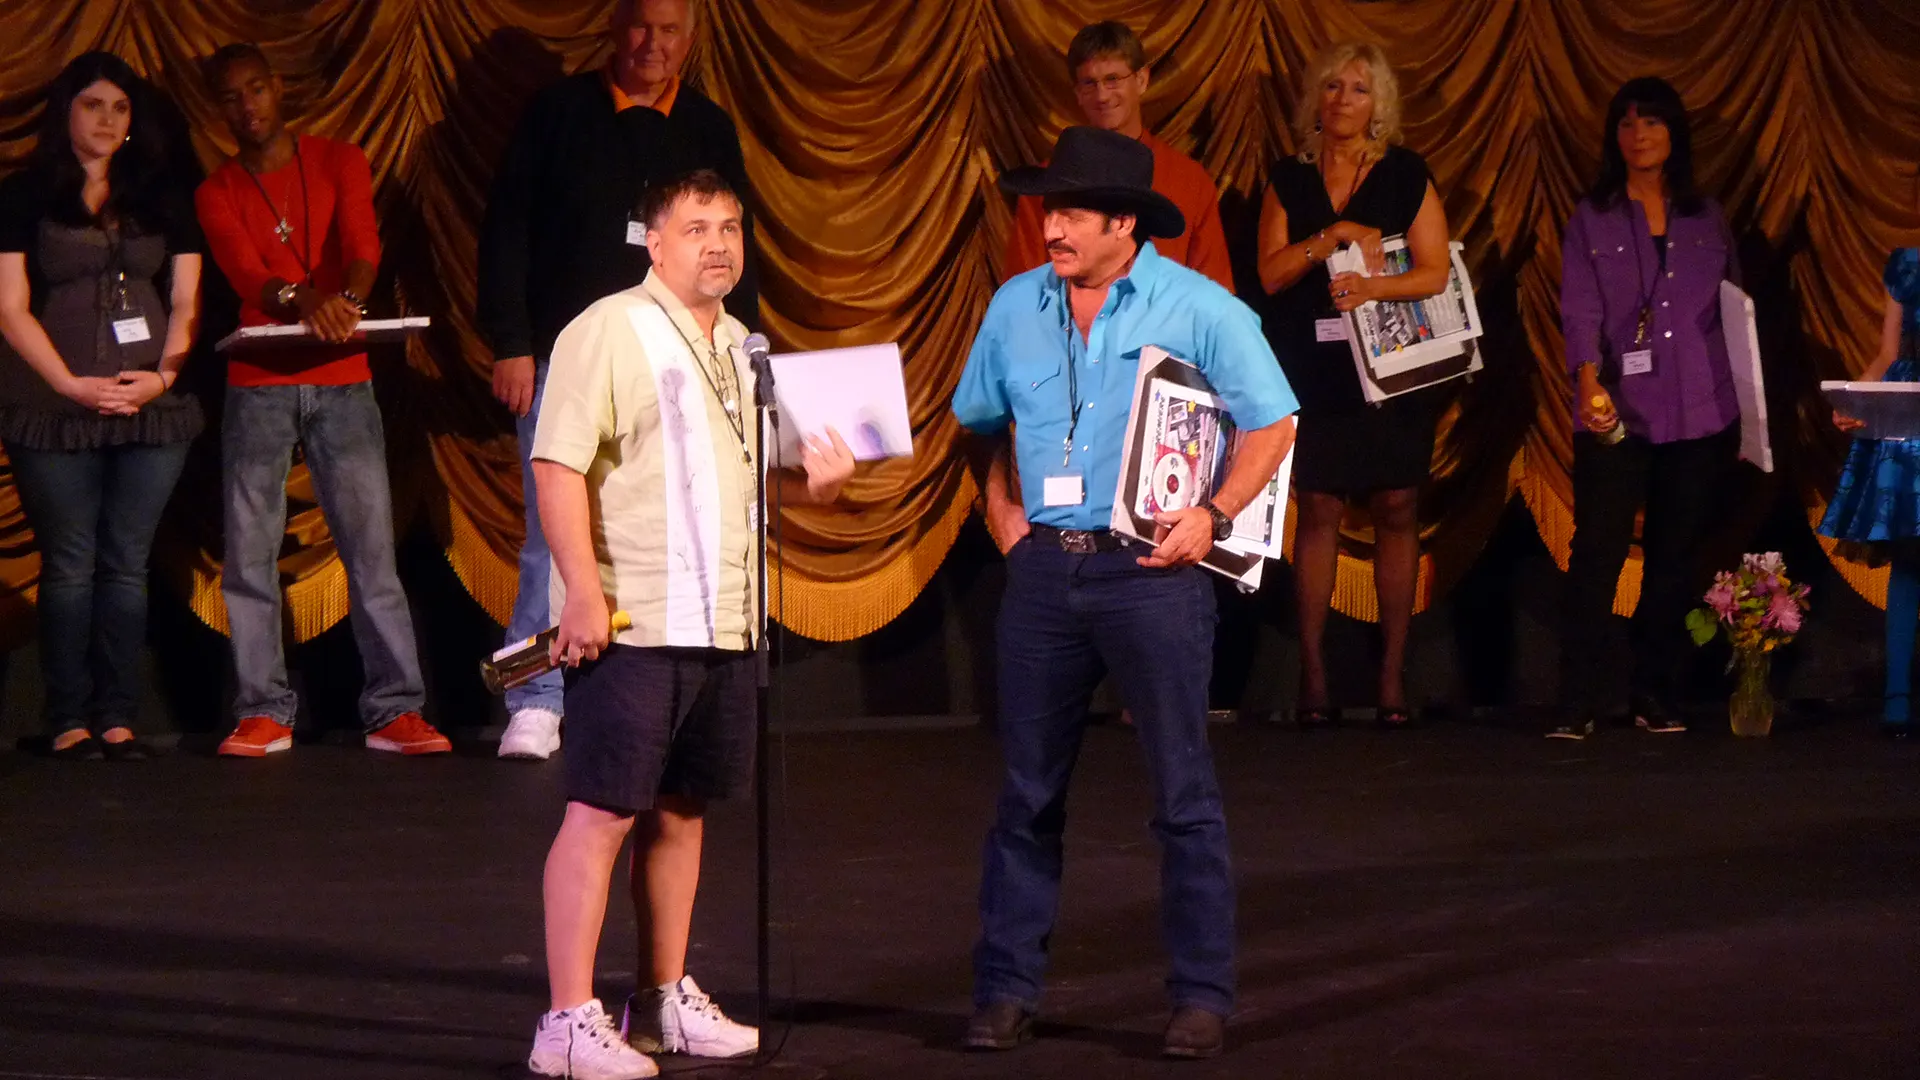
{"x": 1703, "y": 624}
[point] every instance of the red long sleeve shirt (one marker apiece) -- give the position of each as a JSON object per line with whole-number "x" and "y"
{"x": 326, "y": 195}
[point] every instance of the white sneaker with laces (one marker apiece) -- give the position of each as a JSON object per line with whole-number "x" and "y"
{"x": 684, "y": 1020}
{"x": 533, "y": 735}
{"x": 580, "y": 1043}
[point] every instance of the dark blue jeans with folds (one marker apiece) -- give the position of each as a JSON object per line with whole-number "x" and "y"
{"x": 94, "y": 514}
{"x": 1065, "y": 622}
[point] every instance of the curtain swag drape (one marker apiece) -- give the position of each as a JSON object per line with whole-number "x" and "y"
{"x": 874, "y": 131}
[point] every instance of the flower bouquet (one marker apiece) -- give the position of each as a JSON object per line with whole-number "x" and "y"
{"x": 1761, "y": 609}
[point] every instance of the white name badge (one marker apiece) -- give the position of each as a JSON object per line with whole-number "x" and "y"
{"x": 636, "y": 233}
{"x": 1329, "y": 329}
{"x": 131, "y": 331}
{"x": 1638, "y": 362}
{"x": 1063, "y": 491}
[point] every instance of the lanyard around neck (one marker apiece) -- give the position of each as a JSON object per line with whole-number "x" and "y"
{"x": 735, "y": 421}
{"x": 1647, "y": 293}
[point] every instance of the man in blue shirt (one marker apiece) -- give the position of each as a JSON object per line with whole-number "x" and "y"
{"x": 1057, "y": 360}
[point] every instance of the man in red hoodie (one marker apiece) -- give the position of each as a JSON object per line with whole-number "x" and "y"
{"x": 290, "y": 221}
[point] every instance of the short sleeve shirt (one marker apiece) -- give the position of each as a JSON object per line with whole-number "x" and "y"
{"x": 1028, "y": 354}
{"x": 632, "y": 402}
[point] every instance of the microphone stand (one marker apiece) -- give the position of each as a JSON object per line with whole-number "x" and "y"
{"x": 767, "y": 427}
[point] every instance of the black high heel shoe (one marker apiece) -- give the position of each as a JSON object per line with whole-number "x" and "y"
{"x": 1314, "y": 717}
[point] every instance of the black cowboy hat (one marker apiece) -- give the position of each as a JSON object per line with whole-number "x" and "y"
{"x": 1105, "y": 171}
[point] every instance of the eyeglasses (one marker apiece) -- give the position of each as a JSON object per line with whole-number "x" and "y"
{"x": 1109, "y": 84}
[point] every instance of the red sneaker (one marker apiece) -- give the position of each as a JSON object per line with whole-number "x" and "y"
{"x": 408, "y": 734}
{"x": 257, "y": 736}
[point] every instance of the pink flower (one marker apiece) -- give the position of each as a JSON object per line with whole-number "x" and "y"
{"x": 1783, "y": 614}
{"x": 1721, "y": 598}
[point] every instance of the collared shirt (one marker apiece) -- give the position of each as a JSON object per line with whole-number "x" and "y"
{"x": 631, "y": 403}
{"x": 1180, "y": 178}
{"x": 1018, "y": 373}
{"x": 622, "y": 102}
{"x": 1611, "y": 272}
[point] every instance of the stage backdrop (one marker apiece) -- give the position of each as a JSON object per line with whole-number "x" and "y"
{"x": 873, "y": 133}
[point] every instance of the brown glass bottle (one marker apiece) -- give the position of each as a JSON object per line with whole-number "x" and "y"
{"x": 528, "y": 659}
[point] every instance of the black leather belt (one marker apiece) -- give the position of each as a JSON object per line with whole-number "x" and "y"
{"x": 1077, "y": 541}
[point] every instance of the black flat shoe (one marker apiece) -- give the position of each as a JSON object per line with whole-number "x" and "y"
{"x": 86, "y": 749}
{"x": 1651, "y": 714}
{"x": 134, "y": 749}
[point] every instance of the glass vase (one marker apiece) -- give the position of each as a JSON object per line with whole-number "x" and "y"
{"x": 1751, "y": 707}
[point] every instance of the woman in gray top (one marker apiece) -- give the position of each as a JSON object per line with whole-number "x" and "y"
{"x": 99, "y": 298}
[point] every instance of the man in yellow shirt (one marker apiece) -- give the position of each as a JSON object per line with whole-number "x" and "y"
{"x": 643, "y": 462}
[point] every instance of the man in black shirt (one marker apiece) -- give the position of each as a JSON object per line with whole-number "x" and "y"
{"x": 563, "y": 230}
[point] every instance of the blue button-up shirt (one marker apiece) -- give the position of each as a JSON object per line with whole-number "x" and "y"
{"x": 1018, "y": 374}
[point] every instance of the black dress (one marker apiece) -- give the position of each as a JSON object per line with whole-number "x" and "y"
{"x": 1345, "y": 446}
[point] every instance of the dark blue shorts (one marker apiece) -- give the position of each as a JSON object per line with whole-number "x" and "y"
{"x": 641, "y": 723}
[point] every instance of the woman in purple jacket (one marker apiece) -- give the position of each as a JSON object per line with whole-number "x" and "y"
{"x": 1655, "y": 417}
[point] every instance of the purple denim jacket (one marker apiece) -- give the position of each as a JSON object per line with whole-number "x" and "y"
{"x": 1609, "y": 271}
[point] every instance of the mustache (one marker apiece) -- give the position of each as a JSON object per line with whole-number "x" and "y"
{"x": 722, "y": 262}
{"x": 1061, "y": 247}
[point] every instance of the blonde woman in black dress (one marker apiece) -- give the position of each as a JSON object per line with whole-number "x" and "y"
{"x": 1351, "y": 183}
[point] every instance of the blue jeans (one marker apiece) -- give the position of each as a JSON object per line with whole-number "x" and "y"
{"x": 94, "y": 513}
{"x": 346, "y": 452}
{"x": 531, "y": 612}
{"x": 1065, "y": 621}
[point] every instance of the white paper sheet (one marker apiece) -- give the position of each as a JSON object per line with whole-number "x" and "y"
{"x": 859, "y": 392}
{"x": 1749, "y": 382}
{"x": 298, "y": 334}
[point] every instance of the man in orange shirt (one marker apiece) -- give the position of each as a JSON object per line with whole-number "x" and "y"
{"x": 290, "y": 222}
{"x": 1108, "y": 66}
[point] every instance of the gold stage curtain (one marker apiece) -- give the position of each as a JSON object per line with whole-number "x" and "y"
{"x": 874, "y": 131}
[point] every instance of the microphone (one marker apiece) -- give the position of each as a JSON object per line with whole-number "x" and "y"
{"x": 756, "y": 347}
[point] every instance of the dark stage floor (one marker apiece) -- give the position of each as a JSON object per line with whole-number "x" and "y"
{"x": 1453, "y": 902}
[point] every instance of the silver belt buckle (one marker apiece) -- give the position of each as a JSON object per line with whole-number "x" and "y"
{"x": 1078, "y": 542}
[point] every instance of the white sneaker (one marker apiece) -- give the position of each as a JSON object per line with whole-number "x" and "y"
{"x": 532, "y": 735}
{"x": 580, "y": 1043}
{"x": 684, "y": 1020}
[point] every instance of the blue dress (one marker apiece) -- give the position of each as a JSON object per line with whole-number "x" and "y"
{"x": 1879, "y": 494}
